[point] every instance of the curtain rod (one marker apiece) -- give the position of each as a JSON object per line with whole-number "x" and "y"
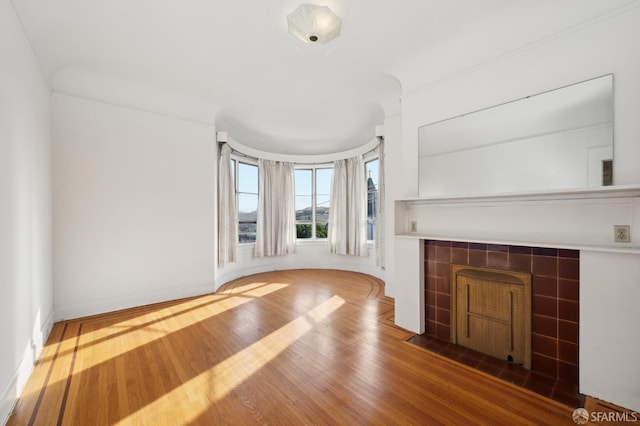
{"x": 242, "y": 154}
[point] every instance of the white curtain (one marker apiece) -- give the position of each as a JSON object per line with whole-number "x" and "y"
{"x": 227, "y": 213}
{"x": 347, "y": 213}
{"x": 380, "y": 219}
{"x": 276, "y": 226}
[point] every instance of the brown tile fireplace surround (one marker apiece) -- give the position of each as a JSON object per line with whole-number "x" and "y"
{"x": 554, "y": 297}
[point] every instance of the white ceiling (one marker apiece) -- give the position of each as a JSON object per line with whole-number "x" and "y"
{"x": 232, "y": 62}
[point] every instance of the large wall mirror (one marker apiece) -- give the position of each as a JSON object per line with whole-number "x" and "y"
{"x": 560, "y": 139}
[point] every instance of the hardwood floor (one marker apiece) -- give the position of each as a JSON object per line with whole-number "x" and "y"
{"x": 287, "y": 347}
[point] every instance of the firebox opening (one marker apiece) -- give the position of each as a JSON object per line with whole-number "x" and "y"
{"x": 491, "y": 312}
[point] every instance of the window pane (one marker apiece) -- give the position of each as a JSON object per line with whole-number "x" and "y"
{"x": 322, "y": 222}
{"x": 247, "y": 207}
{"x": 371, "y": 169}
{"x": 304, "y": 200}
{"x": 323, "y": 190}
{"x": 247, "y": 178}
{"x": 323, "y": 181}
{"x": 303, "y": 208}
{"x": 322, "y": 208}
{"x": 303, "y": 181}
{"x": 303, "y": 230}
{"x": 247, "y": 217}
{"x": 246, "y": 233}
{"x": 247, "y": 202}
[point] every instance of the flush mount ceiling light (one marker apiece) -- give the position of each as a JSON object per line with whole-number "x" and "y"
{"x": 314, "y": 24}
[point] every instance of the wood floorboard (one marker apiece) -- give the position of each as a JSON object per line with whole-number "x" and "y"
{"x": 287, "y": 347}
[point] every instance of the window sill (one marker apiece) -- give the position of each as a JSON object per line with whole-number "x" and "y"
{"x": 311, "y": 242}
{"x": 305, "y": 242}
{"x": 300, "y": 242}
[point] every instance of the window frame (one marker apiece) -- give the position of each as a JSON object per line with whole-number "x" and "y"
{"x": 373, "y": 156}
{"x": 314, "y": 193}
{"x": 237, "y": 160}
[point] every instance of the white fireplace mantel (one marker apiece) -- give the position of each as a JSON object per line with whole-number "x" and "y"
{"x": 581, "y": 219}
{"x": 567, "y": 193}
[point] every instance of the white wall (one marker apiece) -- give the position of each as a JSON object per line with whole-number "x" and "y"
{"x": 26, "y": 310}
{"x": 611, "y": 372}
{"x": 134, "y": 207}
{"x": 609, "y": 349}
{"x": 393, "y": 189}
{"x": 409, "y": 301}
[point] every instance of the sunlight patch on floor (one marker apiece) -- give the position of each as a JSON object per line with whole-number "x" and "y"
{"x": 100, "y": 343}
{"x": 224, "y": 377}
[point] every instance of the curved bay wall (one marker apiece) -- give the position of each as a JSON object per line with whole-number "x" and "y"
{"x": 309, "y": 255}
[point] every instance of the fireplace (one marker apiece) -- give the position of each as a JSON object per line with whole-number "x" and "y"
{"x": 491, "y": 312}
{"x": 554, "y": 297}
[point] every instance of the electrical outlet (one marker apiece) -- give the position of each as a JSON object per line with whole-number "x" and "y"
{"x": 414, "y": 226}
{"x": 622, "y": 233}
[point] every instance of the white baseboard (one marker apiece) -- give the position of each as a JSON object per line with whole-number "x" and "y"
{"x": 9, "y": 399}
{"x": 131, "y": 300}
{"x": 31, "y": 353}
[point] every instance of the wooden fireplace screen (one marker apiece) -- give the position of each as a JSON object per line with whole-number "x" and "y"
{"x": 491, "y": 312}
